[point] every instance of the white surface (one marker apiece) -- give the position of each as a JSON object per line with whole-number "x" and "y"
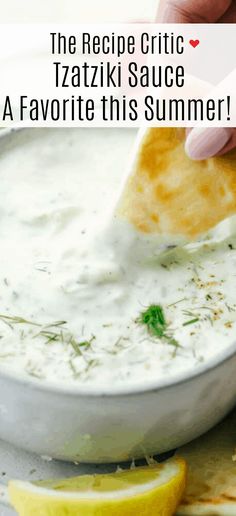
{"x": 67, "y": 11}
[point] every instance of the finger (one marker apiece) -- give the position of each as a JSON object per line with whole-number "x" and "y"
{"x": 192, "y": 11}
{"x": 203, "y": 143}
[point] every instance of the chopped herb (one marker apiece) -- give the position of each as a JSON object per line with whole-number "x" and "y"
{"x": 50, "y": 336}
{"x": 16, "y": 320}
{"x": 87, "y": 343}
{"x": 230, "y": 308}
{"x": 177, "y": 302}
{"x": 73, "y": 369}
{"x": 164, "y": 266}
{"x": 91, "y": 364}
{"x": 52, "y": 332}
{"x": 188, "y": 313}
{"x": 192, "y": 321}
{"x": 76, "y": 345}
{"x": 55, "y": 324}
{"x": 155, "y": 321}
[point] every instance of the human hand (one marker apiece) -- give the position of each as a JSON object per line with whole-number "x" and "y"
{"x": 202, "y": 143}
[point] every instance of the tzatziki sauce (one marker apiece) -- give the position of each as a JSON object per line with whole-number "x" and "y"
{"x": 75, "y": 301}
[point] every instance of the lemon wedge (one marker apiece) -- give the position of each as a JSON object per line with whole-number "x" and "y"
{"x": 151, "y": 490}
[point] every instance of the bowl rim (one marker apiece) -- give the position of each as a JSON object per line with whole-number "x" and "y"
{"x": 127, "y": 389}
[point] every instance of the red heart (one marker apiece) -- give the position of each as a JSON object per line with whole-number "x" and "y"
{"x": 194, "y": 42}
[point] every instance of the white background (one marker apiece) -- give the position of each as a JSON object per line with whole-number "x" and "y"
{"x": 32, "y": 73}
{"x": 77, "y": 11}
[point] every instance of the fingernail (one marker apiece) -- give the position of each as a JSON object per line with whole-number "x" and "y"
{"x": 203, "y": 143}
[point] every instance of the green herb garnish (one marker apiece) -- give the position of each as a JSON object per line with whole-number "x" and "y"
{"x": 177, "y": 302}
{"x": 154, "y": 319}
{"x": 192, "y": 321}
{"x": 53, "y": 332}
{"x": 16, "y": 320}
{"x": 76, "y": 345}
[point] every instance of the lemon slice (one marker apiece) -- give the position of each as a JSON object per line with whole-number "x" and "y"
{"x": 151, "y": 490}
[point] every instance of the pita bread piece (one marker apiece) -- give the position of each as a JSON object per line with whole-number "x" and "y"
{"x": 211, "y": 483}
{"x": 168, "y": 193}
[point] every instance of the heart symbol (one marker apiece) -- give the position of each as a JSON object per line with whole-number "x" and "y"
{"x": 194, "y": 42}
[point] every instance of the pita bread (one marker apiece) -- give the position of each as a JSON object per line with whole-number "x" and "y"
{"x": 211, "y": 485}
{"x": 168, "y": 193}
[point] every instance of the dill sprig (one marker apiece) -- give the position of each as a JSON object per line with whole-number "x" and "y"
{"x": 77, "y": 345}
{"x": 52, "y": 332}
{"x": 189, "y": 313}
{"x": 65, "y": 337}
{"x": 177, "y": 302}
{"x": 154, "y": 319}
{"x": 10, "y": 320}
{"x": 192, "y": 321}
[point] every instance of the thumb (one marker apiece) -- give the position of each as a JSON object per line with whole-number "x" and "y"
{"x": 203, "y": 143}
{"x": 191, "y": 11}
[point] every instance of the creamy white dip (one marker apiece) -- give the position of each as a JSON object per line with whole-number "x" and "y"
{"x": 70, "y": 311}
